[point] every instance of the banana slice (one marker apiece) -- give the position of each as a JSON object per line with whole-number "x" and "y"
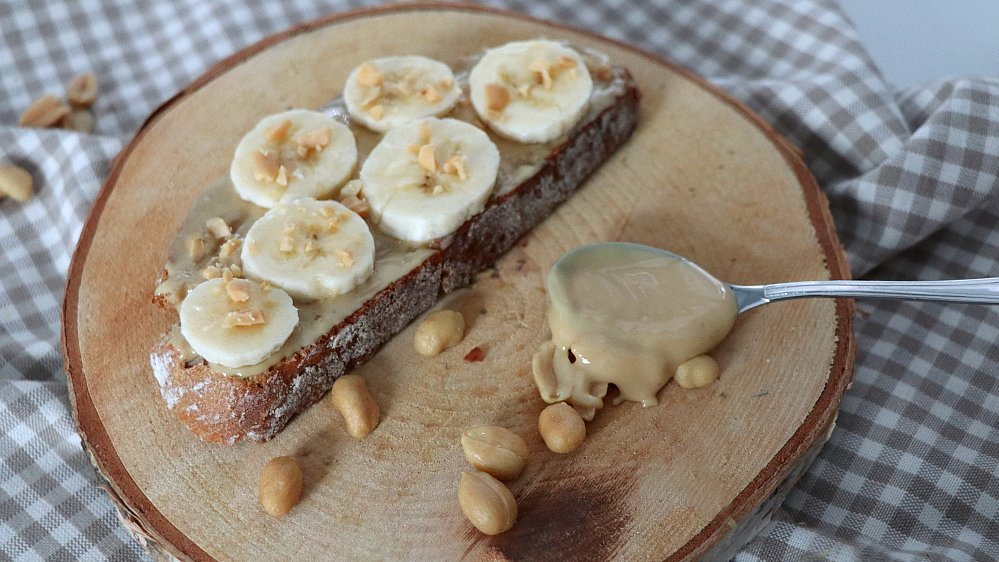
{"x": 424, "y": 179}
{"x": 531, "y": 91}
{"x": 236, "y": 323}
{"x": 311, "y": 249}
{"x": 298, "y": 153}
{"x": 388, "y": 92}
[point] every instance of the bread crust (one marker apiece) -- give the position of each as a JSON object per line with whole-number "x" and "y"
{"x": 225, "y": 409}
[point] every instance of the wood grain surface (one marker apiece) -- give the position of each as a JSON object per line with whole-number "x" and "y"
{"x": 702, "y": 177}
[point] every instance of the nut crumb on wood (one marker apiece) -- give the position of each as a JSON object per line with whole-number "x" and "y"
{"x": 15, "y": 182}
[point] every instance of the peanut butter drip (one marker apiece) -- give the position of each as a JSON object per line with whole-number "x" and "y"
{"x": 626, "y": 315}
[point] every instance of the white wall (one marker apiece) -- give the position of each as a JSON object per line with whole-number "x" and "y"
{"x": 916, "y": 41}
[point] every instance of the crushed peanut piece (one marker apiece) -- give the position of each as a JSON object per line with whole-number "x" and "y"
{"x": 455, "y": 166}
{"x": 313, "y": 141}
{"x": 287, "y": 244}
{"x": 368, "y": 76}
{"x": 371, "y": 97}
{"x": 345, "y": 257}
{"x": 266, "y": 165}
{"x": 229, "y": 247}
{"x": 211, "y": 272}
{"x": 377, "y": 111}
{"x": 438, "y": 189}
{"x": 227, "y": 275}
{"x": 425, "y": 133}
{"x": 310, "y": 248}
{"x": 238, "y": 290}
{"x": 46, "y": 111}
{"x": 431, "y": 94}
{"x": 497, "y": 97}
{"x": 282, "y": 177}
{"x": 196, "y": 247}
{"x": 265, "y": 286}
{"x": 82, "y": 90}
{"x": 288, "y": 228}
{"x": 218, "y": 227}
{"x": 427, "y": 159}
{"x": 278, "y": 132}
{"x": 543, "y": 71}
{"x": 356, "y": 204}
{"x": 236, "y": 270}
{"x": 250, "y": 317}
{"x": 15, "y": 182}
{"x": 524, "y": 91}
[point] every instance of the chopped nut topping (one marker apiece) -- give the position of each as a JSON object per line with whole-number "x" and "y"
{"x": 431, "y": 94}
{"x": 278, "y": 132}
{"x": 311, "y": 248}
{"x": 455, "y": 166}
{"x": 425, "y": 133}
{"x": 250, "y": 317}
{"x": 227, "y": 275}
{"x": 371, "y": 97}
{"x": 265, "y": 286}
{"x": 356, "y": 204}
{"x": 345, "y": 257}
{"x": 218, "y": 227}
{"x": 82, "y": 90}
{"x": 289, "y": 228}
{"x": 236, "y": 270}
{"x": 368, "y": 76}
{"x": 427, "y": 159}
{"x": 46, "y": 111}
{"x": 196, "y": 247}
{"x": 238, "y": 290}
{"x": 282, "y": 177}
{"x": 543, "y": 73}
{"x": 497, "y": 97}
{"x": 266, "y": 165}
{"x": 377, "y": 111}
{"x": 524, "y": 91}
{"x": 287, "y": 244}
{"x": 437, "y": 189}
{"x": 229, "y": 247}
{"x": 211, "y": 272}
{"x": 313, "y": 141}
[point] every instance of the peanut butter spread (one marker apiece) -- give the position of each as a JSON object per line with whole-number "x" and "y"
{"x": 627, "y": 315}
{"x": 197, "y": 253}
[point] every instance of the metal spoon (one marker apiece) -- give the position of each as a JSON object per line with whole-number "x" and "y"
{"x": 974, "y": 291}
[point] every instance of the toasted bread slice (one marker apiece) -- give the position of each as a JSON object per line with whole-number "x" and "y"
{"x": 224, "y": 409}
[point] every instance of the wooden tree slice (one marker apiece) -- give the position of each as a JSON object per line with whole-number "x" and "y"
{"x": 690, "y": 478}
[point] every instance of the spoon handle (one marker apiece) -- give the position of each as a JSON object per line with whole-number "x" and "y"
{"x": 976, "y": 291}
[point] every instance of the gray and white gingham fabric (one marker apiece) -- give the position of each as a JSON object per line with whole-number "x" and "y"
{"x": 912, "y": 470}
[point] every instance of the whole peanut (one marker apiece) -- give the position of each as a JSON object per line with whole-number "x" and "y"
{"x": 495, "y": 450}
{"x": 438, "y": 331}
{"x": 487, "y": 503}
{"x": 280, "y": 485}
{"x": 358, "y": 408}
{"x": 561, "y": 428}
{"x": 697, "y": 372}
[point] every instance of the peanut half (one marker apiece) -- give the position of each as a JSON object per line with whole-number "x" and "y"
{"x": 15, "y": 181}
{"x": 438, "y": 331}
{"x": 82, "y": 90}
{"x": 495, "y": 450}
{"x": 487, "y": 503}
{"x": 280, "y": 485}
{"x": 46, "y": 111}
{"x": 561, "y": 428}
{"x": 359, "y": 410}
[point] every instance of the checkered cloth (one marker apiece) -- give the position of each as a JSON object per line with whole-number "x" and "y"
{"x": 912, "y": 470}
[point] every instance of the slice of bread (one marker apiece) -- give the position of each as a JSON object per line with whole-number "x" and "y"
{"x": 225, "y": 409}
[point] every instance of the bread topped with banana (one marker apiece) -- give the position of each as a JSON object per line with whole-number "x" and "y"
{"x": 336, "y": 227}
